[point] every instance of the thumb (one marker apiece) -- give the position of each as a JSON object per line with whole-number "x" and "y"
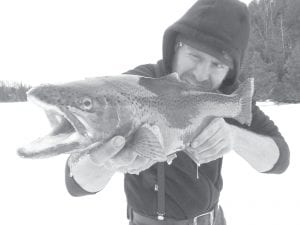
{"x": 107, "y": 150}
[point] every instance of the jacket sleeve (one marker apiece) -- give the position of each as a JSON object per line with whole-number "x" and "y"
{"x": 262, "y": 124}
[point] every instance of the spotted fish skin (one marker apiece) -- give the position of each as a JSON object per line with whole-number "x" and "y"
{"x": 165, "y": 113}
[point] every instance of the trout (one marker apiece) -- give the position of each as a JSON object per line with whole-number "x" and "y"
{"x": 157, "y": 116}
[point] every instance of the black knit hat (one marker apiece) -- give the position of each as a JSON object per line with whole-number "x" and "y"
{"x": 222, "y": 25}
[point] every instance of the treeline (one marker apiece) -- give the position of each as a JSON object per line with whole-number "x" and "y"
{"x": 13, "y": 92}
{"x": 273, "y": 54}
{"x": 272, "y": 57}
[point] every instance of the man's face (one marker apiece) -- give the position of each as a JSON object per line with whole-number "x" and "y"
{"x": 198, "y": 68}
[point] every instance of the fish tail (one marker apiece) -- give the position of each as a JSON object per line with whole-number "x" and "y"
{"x": 245, "y": 93}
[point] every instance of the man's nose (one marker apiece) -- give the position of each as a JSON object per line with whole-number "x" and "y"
{"x": 202, "y": 71}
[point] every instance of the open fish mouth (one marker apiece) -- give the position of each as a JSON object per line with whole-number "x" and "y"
{"x": 68, "y": 134}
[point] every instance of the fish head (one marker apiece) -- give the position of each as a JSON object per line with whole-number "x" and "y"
{"x": 80, "y": 114}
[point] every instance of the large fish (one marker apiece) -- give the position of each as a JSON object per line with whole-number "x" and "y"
{"x": 158, "y": 116}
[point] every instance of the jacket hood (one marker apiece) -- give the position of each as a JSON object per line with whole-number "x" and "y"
{"x": 222, "y": 25}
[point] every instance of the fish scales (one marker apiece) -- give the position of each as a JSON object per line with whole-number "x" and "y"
{"x": 149, "y": 103}
{"x": 179, "y": 108}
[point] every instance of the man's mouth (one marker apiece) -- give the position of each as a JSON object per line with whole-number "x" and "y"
{"x": 192, "y": 80}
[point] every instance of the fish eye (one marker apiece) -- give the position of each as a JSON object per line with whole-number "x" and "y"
{"x": 87, "y": 103}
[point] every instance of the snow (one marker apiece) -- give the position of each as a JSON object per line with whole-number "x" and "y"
{"x": 33, "y": 191}
{"x": 83, "y": 39}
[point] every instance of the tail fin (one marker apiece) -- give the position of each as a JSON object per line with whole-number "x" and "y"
{"x": 245, "y": 94}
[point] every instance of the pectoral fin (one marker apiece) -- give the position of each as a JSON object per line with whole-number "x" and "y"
{"x": 148, "y": 143}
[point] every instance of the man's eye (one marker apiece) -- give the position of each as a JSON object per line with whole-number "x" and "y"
{"x": 219, "y": 65}
{"x": 197, "y": 57}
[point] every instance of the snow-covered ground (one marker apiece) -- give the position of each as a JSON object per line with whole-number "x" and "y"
{"x": 33, "y": 192}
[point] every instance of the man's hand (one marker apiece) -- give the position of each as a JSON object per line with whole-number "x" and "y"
{"x": 93, "y": 171}
{"x": 212, "y": 143}
{"x": 114, "y": 156}
{"x": 88, "y": 170}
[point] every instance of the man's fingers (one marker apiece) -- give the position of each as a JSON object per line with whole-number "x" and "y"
{"x": 124, "y": 157}
{"x": 140, "y": 164}
{"x": 208, "y": 132}
{"x": 211, "y": 144}
{"x": 212, "y": 151}
{"x": 108, "y": 150}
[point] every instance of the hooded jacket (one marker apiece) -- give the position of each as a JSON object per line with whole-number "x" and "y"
{"x": 224, "y": 26}
{"x": 186, "y": 196}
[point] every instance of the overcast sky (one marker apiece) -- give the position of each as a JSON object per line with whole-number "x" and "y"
{"x": 64, "y": 40}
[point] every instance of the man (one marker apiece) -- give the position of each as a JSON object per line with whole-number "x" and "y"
{"x": 205, "y": 47}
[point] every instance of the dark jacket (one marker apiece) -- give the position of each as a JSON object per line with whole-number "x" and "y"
{"x": 186, "y": 196}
